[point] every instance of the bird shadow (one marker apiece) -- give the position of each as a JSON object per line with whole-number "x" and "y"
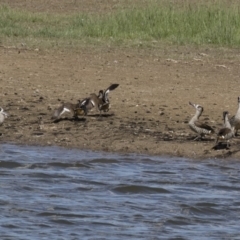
{"x": 105, "y": 115}
{"x": 73, "y": 119}
{"x": 200, "y": 139}
{"x": 220, "y": 146}
{"x": 228, "y": 153}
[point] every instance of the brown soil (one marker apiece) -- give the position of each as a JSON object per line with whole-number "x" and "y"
{"x": 150, "y": 107}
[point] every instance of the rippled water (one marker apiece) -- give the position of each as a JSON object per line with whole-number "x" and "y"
{"x": 54, "y": 193}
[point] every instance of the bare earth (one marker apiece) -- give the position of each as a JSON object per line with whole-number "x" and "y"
{"x": 150, "y": 109}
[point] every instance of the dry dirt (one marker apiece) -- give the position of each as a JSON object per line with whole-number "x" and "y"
{"x": 150, "y": 107}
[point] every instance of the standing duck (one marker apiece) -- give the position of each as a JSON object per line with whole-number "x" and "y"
{"x": 3, "y": 115}
{"x": 227, "y": 132}
{"x": 200, "y": 128}
{"x": 235, "y": 120}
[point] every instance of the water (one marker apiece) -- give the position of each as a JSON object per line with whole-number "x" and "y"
{"x": 54, "y": 193}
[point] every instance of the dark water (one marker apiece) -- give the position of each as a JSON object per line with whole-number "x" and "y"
{"x": 54, "y": 193}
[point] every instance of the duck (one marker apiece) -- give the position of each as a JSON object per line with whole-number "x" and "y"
{"x": 104, "y": 104}
{"x": 3, "y": 115}
{"x": 100, "y": 101}
{"x": 198, "y": 127}
{"x": 87, "y": 104}
{"x": 67, "y": 108}
{"x": 235, "y": 120}
{"x": 227, "y": 131}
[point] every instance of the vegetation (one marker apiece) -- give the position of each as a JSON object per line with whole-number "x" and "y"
{"x": 215, "y": 23}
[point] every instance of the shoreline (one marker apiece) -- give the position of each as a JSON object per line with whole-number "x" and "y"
{"x": 179, "y": 150}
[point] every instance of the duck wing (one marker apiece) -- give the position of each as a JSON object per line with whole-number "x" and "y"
{"x": 106, "y": 92}
{"x": 204, "y": 125}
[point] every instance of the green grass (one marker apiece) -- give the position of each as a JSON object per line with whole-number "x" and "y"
{"x": 214, "y": 23}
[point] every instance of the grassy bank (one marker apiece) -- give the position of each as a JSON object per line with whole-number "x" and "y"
{"x": 215, "y": 23}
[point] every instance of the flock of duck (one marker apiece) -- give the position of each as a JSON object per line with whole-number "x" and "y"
{"x": 227, "y": 132}
{"x": 82, "y": 107}
{"x": 102, "y": 103}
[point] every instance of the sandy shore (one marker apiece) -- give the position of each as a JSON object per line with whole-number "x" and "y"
{"x": 150, "y": 109}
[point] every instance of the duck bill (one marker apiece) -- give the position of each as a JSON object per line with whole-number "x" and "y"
{"x": 192, "y": 104}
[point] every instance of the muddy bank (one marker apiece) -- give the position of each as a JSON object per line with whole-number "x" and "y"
{"x": 150, "y": 107}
